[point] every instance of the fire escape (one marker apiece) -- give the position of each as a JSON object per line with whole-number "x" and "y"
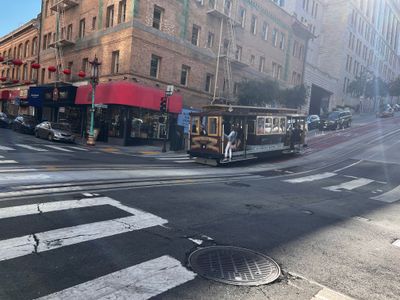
{"x": 228, "y": 52}
{"x": 63, "y": 37}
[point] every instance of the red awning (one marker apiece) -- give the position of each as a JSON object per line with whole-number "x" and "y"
{"x": 128, "y": 93}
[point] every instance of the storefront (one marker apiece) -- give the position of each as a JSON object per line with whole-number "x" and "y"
{"x": 14, "y": 102}
{"x": 127, "y": 113}
{"x": 56, "y": 104}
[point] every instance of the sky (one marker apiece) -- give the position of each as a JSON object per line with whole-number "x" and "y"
{"x": 14, "y": 13}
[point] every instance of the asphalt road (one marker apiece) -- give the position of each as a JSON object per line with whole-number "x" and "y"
{"x": 330, "y": 218}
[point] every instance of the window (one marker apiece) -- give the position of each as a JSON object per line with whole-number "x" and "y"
{"x": 274, "y": 69}
{"x": 45, "y": 42}
{"x": 110, "y": 16}
{"x": 282, "y": 41}
{"x": 94, "y": 21}
{"x": 157, "y": 17}
{"x": 252, "y": 59}
{"x": 34, "y": 46}
{"x": 46, "y": 9}
{"x": 209, "y": 78}
{"x": 195, "y": 35}
{"x": 115, "y": 62}
{"x": 69, "y": 32}
{"x": 85, "y": 64}
{"x": 275, "y": 37}
{"x": 121, "y": 11}
{"x": 26, "y": 49}
{"x": 25, "y": 72}
{"x": 155, "y": 66}
{"x": 195, "y": 126}
{"x": 253, "y": 25}
{"x": 238, "y": 54}
{"x": 279, "y": 73}
{"x": 242, "y": 17}
{"x": 212, "y": 126}
{"x": 228, "y": 7}
{"x": 185, "y": 75}
{"x": 265, "y": 31}
{"x": 82, "y": 26}
{"x": 210, "y": 40}
{"x": 295, "y": 44}
{"x": 261, "y": 64}
{"x": 260, "y": 125}
{"x": 211, "y": 4}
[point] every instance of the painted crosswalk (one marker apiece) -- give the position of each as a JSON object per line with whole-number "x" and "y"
{"x": 143, "y": 280}
{"x": 42, "y": 148}
{"x": 4, "y": 160}
{"x": 174, "y": 157}
{"x": 343, "y": 183}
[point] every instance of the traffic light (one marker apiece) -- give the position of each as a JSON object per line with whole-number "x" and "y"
{"x": 163, "y": 105}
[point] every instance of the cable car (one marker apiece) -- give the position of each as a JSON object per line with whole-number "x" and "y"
{"x": 258, "y": 132}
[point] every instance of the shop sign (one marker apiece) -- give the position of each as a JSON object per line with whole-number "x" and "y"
{"x": 101, "y": 105}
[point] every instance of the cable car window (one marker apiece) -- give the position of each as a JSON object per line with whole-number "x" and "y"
{"x": 260, "y": 125}
{"x": 251, "y": 127}
{"x": 212, "y": 126}
{"x": 283, "y": 125}
{"x": 268, "y": 126}
{"x": 276, "y": 127}
{"x": 195, "y": 126}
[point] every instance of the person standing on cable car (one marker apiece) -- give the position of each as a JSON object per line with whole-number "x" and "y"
{"x": 231, "y": 143}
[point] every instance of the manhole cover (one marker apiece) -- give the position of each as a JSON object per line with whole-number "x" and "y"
{"x": 233, "y": 265}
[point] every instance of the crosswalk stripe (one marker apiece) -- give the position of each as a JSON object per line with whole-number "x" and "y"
{"x": 58, "y": 148}
{"x": 8, "y": 162}
{"x": 311, "y": 178}
{"x": 31, "y": 148}
{"x": 139, "y": 282}
{"x": 390, "y": 196}
{"x": 173, "y": 158}
{"x": 349, "y": 185}
{"x": 183, "y": 161}
{"x": 6, "y": 148}
{"x": 53, "y": 239}
{"x": 78, "y": 148}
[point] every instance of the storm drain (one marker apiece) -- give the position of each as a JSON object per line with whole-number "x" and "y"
{"x": 233, "y": 265}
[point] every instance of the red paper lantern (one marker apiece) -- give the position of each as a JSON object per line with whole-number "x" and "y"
{"x": 17, "y": 62}
{"x": 52, "y": 69}
{"x": 15, "y": 81}
{"x": 1, "y": 58}
{"x": 35, "y": 66}
{"x": 67, "y": 71}
{"x": 81, "y": 74}
{"x": 3, "y": 79}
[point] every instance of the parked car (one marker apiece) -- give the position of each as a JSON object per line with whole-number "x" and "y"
{"x": 55, "y": 132}
{"x": 24, "y": 124}
{"x": 313, "y": 122}
{"x": 5, "y": 120}
{"x": 336, "y": 120}
{"x": 386, "y": 113}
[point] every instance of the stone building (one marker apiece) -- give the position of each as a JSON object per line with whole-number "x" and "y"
{"x": 352, "y": 38}
{"x": 18, "y": 51}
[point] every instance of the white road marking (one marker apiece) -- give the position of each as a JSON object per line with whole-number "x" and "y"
{"x": 6, "y": 148}
{"x": 8, "y": 162}
{"x": 77, "y": 148}
{"x": 173, "y": 158}
{"x": 17, "y": 170}
{"x": 396, "y": 243}
{"x": 23, "y": 177}
{"x": 196, "y": 241}
{"x": 139, "y": 282}
{"x": 391, "y": 196}
{"x": 311, "y": 178}
{"x": 183, "y": 161}
{"x": 58, "y": 148}
{"x": 349, "y": 166}
{"x": 31, "y": 148}
{"x": 350, "y": 185}
{"x": 328, "y": 294}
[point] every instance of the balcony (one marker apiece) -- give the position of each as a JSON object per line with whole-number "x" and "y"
{"x": 60, "y": 5}
{"x": 234, "y": 61}
{"x": 63, "y": 42}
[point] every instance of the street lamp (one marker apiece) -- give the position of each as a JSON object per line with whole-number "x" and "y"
{"x": 168, "y": 93}
{"x": 95, "y": 80}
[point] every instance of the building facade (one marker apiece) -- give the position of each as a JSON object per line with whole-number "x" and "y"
{"x": 18, "y": 51}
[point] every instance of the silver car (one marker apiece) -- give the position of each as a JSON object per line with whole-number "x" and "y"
{"x": 55, "y": 132}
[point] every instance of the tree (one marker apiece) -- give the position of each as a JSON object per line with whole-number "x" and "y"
{"x": 394, "y": 87}
{"x": 257, "y": 92}
{"x": 369, "y": 88}
{"x": 293, "y": 97}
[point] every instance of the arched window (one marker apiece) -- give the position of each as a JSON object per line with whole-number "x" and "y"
{"x": 26, "y": 49}
{"x": 15, "y": 53}
{"x": 34, "y": 46}
{"x": 20, "y": 48}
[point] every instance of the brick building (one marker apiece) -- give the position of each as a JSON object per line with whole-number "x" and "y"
{"x": 202, "y": 47}
{"x": 18, "y": 50}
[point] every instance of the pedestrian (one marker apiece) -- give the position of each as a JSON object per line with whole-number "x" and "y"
{"x": 231, "y": 143}
{"x": 203, "y": 130}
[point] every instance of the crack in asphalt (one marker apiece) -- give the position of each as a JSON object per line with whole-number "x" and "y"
{"x": 37, "y": 241}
